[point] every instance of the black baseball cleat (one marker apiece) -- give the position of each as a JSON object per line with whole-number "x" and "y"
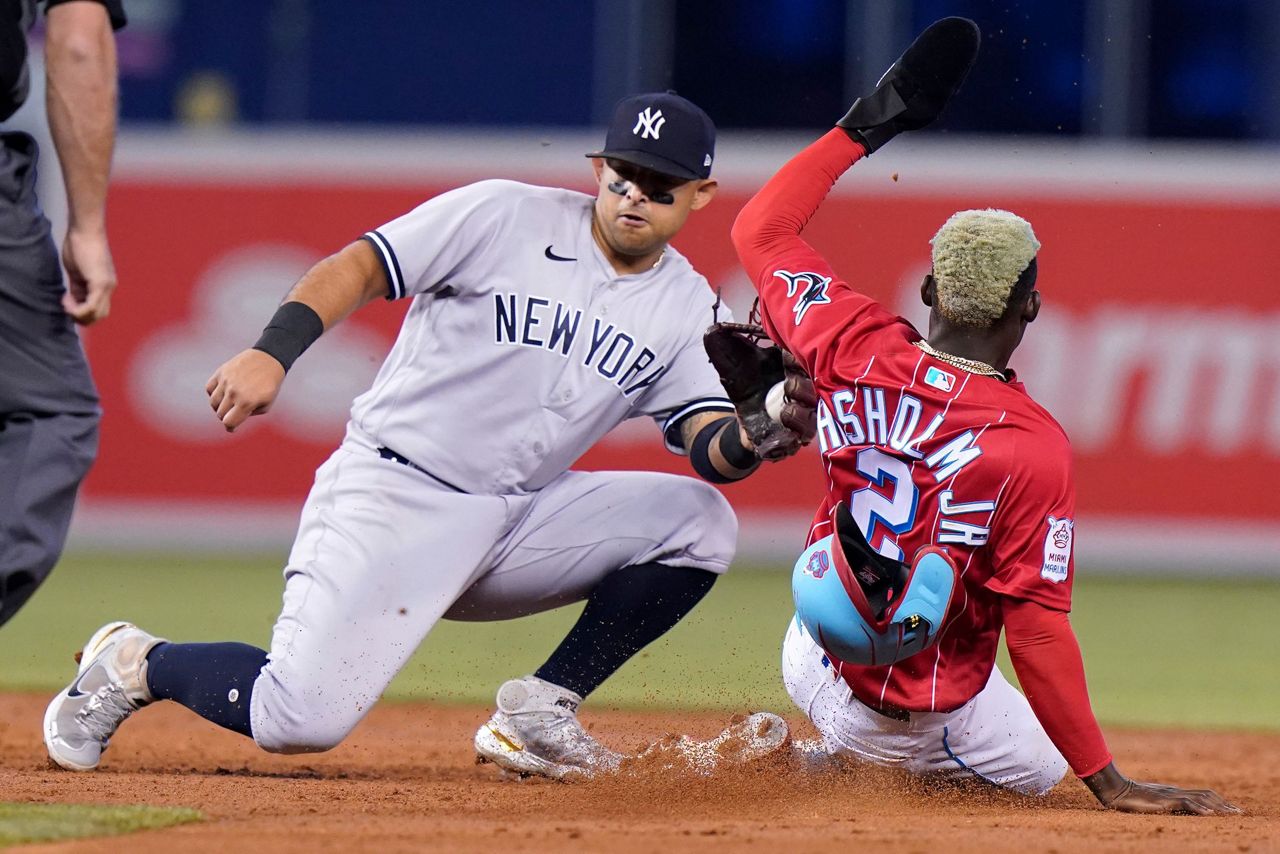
{"x": 913, "y": 92}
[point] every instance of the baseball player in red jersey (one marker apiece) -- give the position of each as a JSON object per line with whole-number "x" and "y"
{"x": 931, "y": 441}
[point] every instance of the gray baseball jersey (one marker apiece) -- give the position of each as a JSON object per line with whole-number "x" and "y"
{"x": 523, "y": 345}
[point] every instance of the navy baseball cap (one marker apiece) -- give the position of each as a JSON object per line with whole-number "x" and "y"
{"x": 663, "y": 132}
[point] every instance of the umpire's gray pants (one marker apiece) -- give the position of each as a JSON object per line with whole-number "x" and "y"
{"x": 43, "y": 458}
{"x": 48, "y": 405}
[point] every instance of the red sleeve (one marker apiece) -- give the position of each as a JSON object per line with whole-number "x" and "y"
{"x": 1033, "y": 536}
{"x": 806, "y": 307}
{"x": 1046, "y": 657}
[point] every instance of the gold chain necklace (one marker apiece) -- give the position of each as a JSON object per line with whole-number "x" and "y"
{"x": 973, "y": 366}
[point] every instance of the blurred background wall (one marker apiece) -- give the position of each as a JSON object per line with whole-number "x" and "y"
{"x": 1160, "y": 69}
{"x": 1141, "y": 138}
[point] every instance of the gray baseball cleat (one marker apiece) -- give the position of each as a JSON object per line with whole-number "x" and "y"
{"x": 535, "y": 731}
{"x": 110, "y": 685}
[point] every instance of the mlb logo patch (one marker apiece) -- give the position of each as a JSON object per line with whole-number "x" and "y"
{"x": 939, "y": 379}
{"x": 1057, "y": 549}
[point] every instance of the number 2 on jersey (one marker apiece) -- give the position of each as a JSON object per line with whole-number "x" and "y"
{"x": 895, "y": 511}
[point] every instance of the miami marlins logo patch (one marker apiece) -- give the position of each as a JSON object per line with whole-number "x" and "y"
{"x": 811, "y": 287}
{"x": 1057, "y": 549}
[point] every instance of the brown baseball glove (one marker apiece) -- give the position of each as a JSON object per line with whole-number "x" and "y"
{"x": 749, "y": 365}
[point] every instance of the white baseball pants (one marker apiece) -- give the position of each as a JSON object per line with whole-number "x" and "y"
{"x": 995, "y": 736}
{"x": 383, "y": 552}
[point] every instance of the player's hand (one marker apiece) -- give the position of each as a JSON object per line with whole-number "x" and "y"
{"x": 245, "y": 385}
{"x": 91, "y": 276}
{"x": 1116, "y": 791}
{"x": 749, "y": 366}
{"x": 917, "y": 86}
{"x": 798, "y": 411}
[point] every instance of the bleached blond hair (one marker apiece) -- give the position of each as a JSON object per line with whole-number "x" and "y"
{"x": 977, "y": 258}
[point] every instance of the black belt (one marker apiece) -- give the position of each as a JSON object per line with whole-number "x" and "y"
{"x": 893, "y": 713}
{"x": 388, "y": 454}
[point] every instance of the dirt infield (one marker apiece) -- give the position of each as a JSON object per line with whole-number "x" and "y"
{"x": 406, "y": 781}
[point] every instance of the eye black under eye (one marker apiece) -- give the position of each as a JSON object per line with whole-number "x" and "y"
{"x": 658, "y": 197}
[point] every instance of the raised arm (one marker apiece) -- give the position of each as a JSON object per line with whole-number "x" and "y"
{"x": 790, "y": 275}
{"x": 248, "y": 383}
{"x": 80, "y": 66}
{"x": 769, "y": 226}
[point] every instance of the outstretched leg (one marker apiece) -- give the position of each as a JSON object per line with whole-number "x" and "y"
{"x": 382, "y": 551}
{"x": 536, "y": 729}
{"x": 629, "y": 609}
{"x": 642, "y": 549}
{"x": 994, "y": 737}
{"x": 214, "y": 680}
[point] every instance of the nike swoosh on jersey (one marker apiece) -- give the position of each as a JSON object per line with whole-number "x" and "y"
{"x": 554, "y": 257}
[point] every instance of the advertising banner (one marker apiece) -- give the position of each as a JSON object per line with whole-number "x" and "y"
{"x": 1158, "y": 347}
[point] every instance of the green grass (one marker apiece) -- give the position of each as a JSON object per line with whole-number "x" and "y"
{"x": 26, "y": 823}
{"x": 1181, "y": 651}
{"x": 1158, "y": 651}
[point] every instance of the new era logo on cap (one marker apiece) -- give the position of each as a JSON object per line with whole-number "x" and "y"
{"x": 663, "y": 132}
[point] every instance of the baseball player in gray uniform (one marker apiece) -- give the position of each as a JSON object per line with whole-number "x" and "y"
{"x": 48, "y": 403}
{"x": 541, "y": 318}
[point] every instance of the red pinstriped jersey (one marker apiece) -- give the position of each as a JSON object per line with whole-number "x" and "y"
{"x": 924, "y": 453}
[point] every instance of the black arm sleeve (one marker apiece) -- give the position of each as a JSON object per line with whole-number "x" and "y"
{"x": 13, "y": 64}
{"x": 115, "y": 10}
{"x": 730, "y": 448}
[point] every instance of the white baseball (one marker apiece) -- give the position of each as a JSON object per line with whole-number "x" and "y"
{"x": 774, "y": 400}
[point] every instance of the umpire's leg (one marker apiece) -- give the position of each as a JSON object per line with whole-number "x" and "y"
{"x": 48, "y": 404}
{"x": 43, "y": 458}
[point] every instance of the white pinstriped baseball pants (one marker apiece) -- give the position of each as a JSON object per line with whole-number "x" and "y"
{"x": 995, "y": 736}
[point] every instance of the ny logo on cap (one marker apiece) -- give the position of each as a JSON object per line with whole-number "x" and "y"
{"x": 649, "y": 124}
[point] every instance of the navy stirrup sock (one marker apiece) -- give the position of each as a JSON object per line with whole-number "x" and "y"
{"x": 632, "y": 607}
{"x": 214, "y": 680}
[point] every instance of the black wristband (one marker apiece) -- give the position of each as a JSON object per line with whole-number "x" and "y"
{"x": 293, "y": 328}
{"x": 734, "y": 452}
